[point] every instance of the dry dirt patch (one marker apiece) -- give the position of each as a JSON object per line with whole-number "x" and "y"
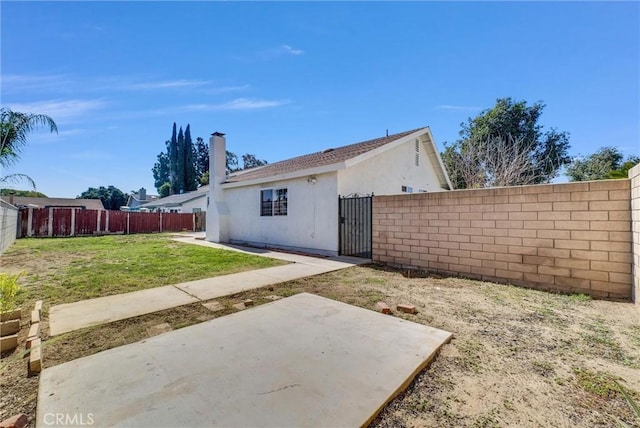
{"x": 518, "y": 358}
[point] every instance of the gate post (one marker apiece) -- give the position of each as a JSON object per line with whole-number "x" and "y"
{"x": 73, "y": 222}
{"x": 50, "y": 223}
{"x": 30, "y": 222}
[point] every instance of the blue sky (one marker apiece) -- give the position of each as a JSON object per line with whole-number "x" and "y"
{"x": 283, "y": 79}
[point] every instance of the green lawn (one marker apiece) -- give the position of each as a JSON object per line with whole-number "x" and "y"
{"x": 63, "y": 270}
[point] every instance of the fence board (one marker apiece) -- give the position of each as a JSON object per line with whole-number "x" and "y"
{"x": 23, "y": 217}
{"x": 62, "y": 222}
{"x": 86, "y": 222}
{"x": 40, "y": 222}
{"x": 66, "y": 222}
{"x": 116, "y": 222}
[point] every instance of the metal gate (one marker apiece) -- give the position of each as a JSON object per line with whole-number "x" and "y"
{"x": 355, "y": 226}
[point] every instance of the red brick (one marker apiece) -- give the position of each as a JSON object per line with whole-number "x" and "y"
{"x": 611, "y": 225}
{"x": 554, "y": 234}
{"x": 481, "y": 255}
{"x": 512, "y": 258}
{"x": 522, "y": 233}
{"x": 556, "y": 271}
{"x": 572, "y": 263}
{"x": 609, "y": 185}
{"x": 589, "y": 255}
{"x": 495, "y": 232}
{"x": 571, "y": 244}
{"x": 509, "y": 274}
{"x": 554, "y": 215}
{"x": 495, "y": 216}
{"x": 590, "y": 215}
{"x": 590, "y": 274}
{"x": 609, "y": 206}
{"x": 593, "y": 195}
{"x": 17, "y": 421}
{"x": 383, "y": 307}
{"x": 409, "y": 309}
{"x": 554, "y": 252}
{"x": 611, "y": 266}
{"x": 537, "y": 242}
{"x": 483, "y": 271}
{"x": 537, "y": 260}
{"x": 542, "y": 279}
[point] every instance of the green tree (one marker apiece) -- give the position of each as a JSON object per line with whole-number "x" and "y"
{"x": 112, "y": 198}
{"x": 251, "y": 161}
{"x": 190, "y": 177}
{"x": 14, "y": 129}
{"x": 201, "y": 161}
{"x": 172, "y": 152}
{"x": 164, "y": 190}
{"x": 607, "y": 162}
{"x": 231, "y": 162}
{"x": 161, "y": 169}
{"x": 508, "y": 134}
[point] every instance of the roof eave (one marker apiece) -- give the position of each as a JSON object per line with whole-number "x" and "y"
{"x": 288, "y": 176}
{"x": 436, "y": 159}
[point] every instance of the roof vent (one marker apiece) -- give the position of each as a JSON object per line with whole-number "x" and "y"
{"x": 328, "y": 150}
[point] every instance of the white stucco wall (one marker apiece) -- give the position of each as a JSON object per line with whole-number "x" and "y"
{"x": 201, "y": 203}
{"x": 311, "y": 222}
{"x": 386, "y": 173}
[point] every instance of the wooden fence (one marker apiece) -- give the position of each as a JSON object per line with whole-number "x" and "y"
{"x": 59, "y": 222}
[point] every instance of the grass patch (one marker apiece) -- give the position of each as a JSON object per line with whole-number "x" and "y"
{"x": 70, "y": 269}
{"x": 600, "y": 342}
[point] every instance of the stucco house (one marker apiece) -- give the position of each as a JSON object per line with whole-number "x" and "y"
{"x": 294, "y": 203}
{"x": 189, "y": 202}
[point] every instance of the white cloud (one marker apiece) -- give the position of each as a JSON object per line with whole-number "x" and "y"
{"x": 168, "y": 84}
{"x": 280, "y": 51}
{"x": 60, "y": 110}
{"x": 40, "y": 82}
{"x": 458, "y": 107}
{"x": 288, "y": 49}
{"x": 239, "y": 104}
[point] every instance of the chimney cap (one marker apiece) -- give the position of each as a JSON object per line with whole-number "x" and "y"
{"x": 217, "y": 134}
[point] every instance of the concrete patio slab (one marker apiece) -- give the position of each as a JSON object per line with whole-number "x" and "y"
{"x": 72, "y": 316}
{"x": 303, "y": 361}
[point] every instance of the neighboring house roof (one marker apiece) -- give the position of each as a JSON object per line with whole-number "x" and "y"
{"x": 332, "y": 159}
{"x": 30, "y": 202}
{"x": 135, "y": 201}
{"x": 178, "y": 199}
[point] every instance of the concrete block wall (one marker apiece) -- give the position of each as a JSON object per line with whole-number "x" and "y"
{"x": 571, "y": 237}
{"x": 8, "y": 225}
{"x": 634, "y": 176}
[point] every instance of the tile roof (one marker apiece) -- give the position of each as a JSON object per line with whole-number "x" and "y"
{"x": 26, "y": 201}
{"x": 313, "y": 160}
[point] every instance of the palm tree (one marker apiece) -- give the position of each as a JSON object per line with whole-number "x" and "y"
{"x": 14, "y": 128}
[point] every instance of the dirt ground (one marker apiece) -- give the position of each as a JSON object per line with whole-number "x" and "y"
{"x": 519, "y": 357}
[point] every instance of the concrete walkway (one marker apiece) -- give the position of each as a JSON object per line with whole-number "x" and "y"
{"x": 73, "y": 316}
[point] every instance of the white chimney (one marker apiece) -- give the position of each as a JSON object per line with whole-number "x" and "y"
{"x": 217, "y": 210}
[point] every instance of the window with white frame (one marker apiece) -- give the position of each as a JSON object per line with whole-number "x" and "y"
{"x": 273, "y": 202}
